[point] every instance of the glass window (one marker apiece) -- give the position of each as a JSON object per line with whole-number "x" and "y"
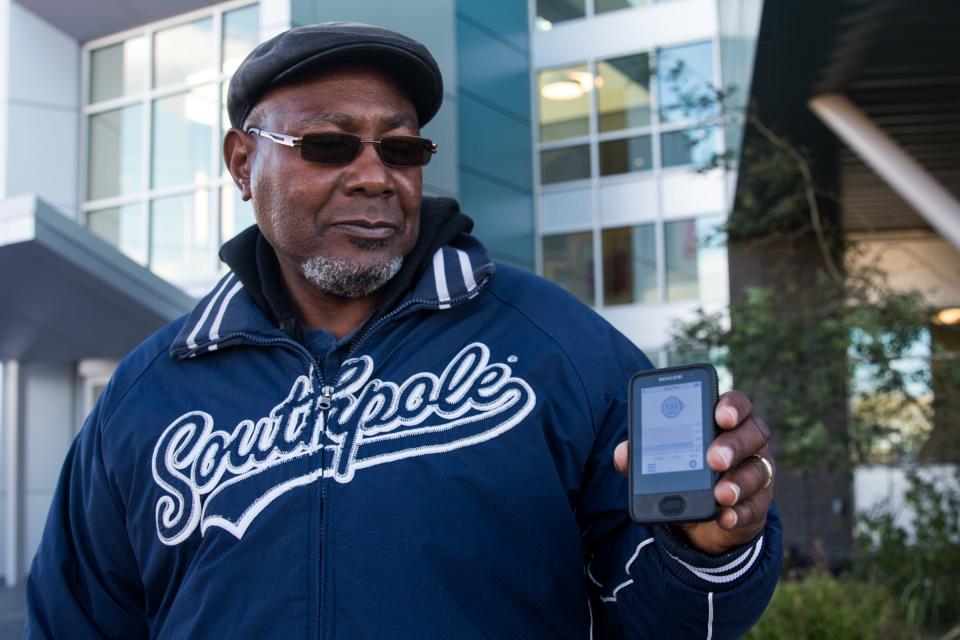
{"x": 561, "y": 165}
{"x": 122, "y": 227}
{"x": 115, "y": 153}
{"x": 182, "y": 137}
{"x": 235, "y": 214}
{"x": 623, "y": 92}
{"x": 564, "y": 103}
{"x": 690, "y": 146}
{"x": 241, "y": 33}
{"x": 568, "y": 261}
{"x": 183, "y": 238}
{"x": 625, "y": 156}
{"x": 630, "y": 265}
{"x": 712, "y": 269}
{"x": 551, "y": 11}
{"x": 684, "y": 75}
{"x": 118, "y": 70}
{"x": 185, "y": 53}
{"x": 680, "y": 245}
{"x": 175, "y": 235}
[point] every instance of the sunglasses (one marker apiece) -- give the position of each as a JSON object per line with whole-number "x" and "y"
{"x": 343, "y": 148}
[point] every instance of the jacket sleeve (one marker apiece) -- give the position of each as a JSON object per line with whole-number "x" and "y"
{"x": 84, "y": 581}
{"x": 645, "y": 582}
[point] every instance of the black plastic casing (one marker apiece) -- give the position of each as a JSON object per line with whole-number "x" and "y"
{"x": 698, "y": 504}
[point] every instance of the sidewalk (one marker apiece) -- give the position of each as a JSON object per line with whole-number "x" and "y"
{"x": 12, "y": 612}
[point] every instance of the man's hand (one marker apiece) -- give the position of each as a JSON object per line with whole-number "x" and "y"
{"x": 740, "y": 492}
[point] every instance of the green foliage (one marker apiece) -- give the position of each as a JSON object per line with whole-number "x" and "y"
{"x": 826, "y": 608}
{"x": 921, "y": 567}
{"x": 827, "y": 361}
{"x": 771, "y": 198}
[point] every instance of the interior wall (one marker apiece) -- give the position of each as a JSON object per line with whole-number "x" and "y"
{"x": 920, "y": 260}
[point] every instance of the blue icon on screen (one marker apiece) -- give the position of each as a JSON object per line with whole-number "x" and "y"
{"x": 671, "y": 407}
{"x": 693, "y": 464}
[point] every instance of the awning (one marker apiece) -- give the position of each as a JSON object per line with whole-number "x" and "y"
{"x": 66, "y": 294}
{"x": 896, "y": 61}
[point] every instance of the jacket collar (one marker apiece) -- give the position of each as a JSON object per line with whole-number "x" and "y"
{"x": 228, "y": 314}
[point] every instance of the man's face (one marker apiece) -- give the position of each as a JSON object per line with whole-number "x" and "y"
{"x": 357, "y": 219}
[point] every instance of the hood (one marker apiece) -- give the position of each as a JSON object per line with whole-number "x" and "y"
{"x": 448, "y": 266}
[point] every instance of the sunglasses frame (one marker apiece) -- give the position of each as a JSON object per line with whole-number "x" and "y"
{"x": 297, "y": 142}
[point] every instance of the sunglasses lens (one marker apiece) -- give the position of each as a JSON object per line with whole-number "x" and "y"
{"x": 405, "y": 151}
{"x": 330, "y": 148}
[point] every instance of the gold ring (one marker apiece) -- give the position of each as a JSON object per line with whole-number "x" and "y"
{"x": 766, "y": 466}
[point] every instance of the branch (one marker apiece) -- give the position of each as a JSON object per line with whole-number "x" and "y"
{"x": 809, "y": 190}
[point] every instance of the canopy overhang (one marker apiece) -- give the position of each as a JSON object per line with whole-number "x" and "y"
{"x": 66, "y": 294}
{"x": 894, "y": 62}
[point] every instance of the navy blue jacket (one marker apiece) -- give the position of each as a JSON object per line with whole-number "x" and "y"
{"x": 446, "y": 473}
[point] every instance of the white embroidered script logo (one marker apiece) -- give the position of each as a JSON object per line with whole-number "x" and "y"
{"x": 216, "y": 478}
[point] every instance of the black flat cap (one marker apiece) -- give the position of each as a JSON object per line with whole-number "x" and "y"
{"x": 293, "y": 52}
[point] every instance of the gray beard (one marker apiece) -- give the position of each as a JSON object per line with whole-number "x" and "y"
{"x": 349, "y": 279}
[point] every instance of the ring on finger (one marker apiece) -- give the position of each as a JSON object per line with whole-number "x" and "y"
{"x": 767, "y": 467}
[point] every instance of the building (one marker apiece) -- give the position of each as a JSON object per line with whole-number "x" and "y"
{"x": 565, "y": 134}
{"x": 624, "y": 219}
{"x": 870, "y": 89}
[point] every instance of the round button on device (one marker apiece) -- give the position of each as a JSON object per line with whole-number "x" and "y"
{"x": 672, "y": 505}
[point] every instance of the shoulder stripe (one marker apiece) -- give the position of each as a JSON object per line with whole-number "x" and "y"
{"x": 215, "y": 329}
{"x": 467, "y": 269}
{"x": 440, "y": 278}
{"x": 192, "y": 338}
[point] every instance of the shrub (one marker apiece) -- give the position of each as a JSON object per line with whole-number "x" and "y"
{"x": 827, "y": 608}
{"x": 920, "y": 565}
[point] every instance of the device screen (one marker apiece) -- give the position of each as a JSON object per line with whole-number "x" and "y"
{"x": 675, "y": 428}
{"x": 672, "y": 438}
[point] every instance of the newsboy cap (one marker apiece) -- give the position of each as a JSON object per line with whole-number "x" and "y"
{"x": 311, "y": 47}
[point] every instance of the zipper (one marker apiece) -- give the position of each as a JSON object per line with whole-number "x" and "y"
{"x": 324, "y": 404}
{"x": 329, "y": 369}
{"x": 326, "y": 398}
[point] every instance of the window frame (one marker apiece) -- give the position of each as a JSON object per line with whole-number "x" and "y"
{"x": 145, "y": 98}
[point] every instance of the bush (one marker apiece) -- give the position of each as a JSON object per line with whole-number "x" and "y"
{"x": 826, "y": 608}
{"x": 921, "y": 564}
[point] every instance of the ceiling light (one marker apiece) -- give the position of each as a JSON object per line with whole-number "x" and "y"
{"x": 568, "y": 85}
{"x": 543, "y": 24}
{"x": 562, "y": 90}
{"x": 948, "y": 316}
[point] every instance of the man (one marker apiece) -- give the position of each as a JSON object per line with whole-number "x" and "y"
{"x": 367, "y": 429}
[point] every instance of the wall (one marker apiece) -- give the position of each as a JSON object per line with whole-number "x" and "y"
{"x": 39, "y": 109}
{"x": 49, "y": 428}
{"x": 39, "y": 142}
{"x": 496, "y": 148}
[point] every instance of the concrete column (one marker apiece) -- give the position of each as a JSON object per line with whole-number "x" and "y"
{"x": 12, "y": 429}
